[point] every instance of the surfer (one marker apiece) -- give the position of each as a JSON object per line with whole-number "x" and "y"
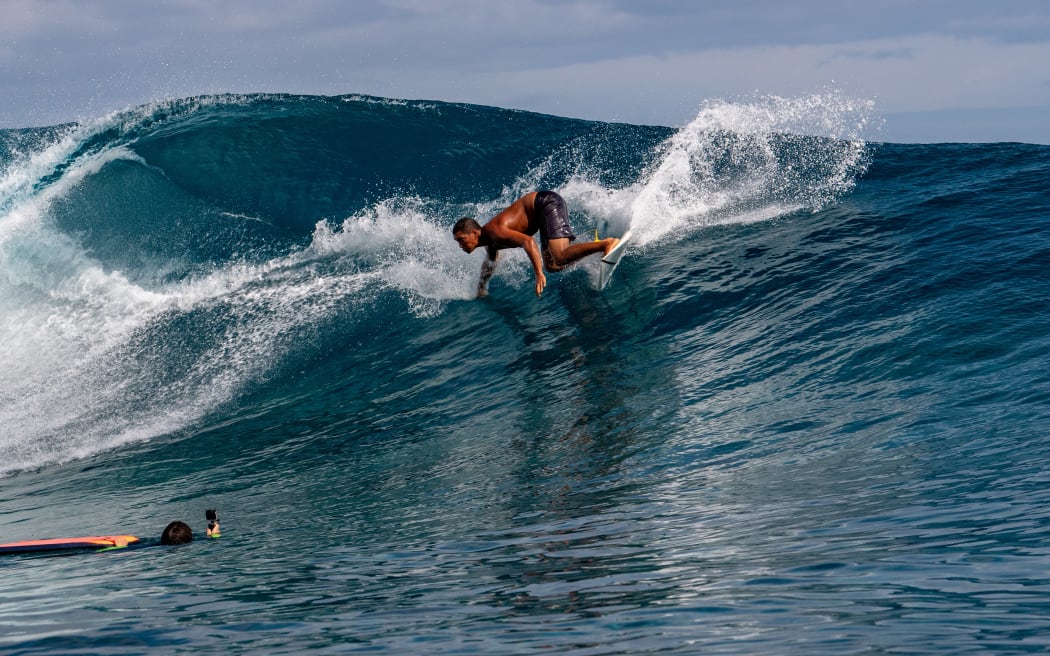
{"x": 514, "y": 227}
{"x": 174, "y": 533}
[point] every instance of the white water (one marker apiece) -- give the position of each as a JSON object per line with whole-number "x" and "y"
{"x": 723, "y": 167}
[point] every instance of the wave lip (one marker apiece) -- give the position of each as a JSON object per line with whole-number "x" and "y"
{"x": 742, "y": 162}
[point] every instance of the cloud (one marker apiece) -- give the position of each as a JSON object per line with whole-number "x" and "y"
{"x": 872, "y": 55}
{"x": 921, "y": 73}
{"x": 651, "y": 62}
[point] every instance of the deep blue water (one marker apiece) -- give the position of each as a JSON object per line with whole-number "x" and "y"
{"x": 809, "y": 415}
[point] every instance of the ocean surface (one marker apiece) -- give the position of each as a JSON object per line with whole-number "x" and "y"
{"x": 810, "y": 414}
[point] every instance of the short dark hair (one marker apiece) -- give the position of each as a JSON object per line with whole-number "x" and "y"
{"x": 176, "y": 533}
{"x": 465, "y": 224}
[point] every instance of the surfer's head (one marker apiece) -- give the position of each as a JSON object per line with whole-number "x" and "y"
{"x": 467, "y": 232}
{"x": 176, "y": 533}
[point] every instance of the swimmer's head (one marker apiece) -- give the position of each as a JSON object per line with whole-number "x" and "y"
{"x": 176, "y": 533}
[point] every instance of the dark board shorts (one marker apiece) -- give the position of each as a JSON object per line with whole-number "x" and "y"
{"x": 554, "y": 216}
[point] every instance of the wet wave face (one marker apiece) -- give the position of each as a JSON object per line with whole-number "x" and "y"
{"x": 808, "y": 414}
{"x": 162, "y": 262}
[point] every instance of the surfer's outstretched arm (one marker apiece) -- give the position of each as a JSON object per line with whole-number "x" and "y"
{"x": 487, "y": 269}
{"x": 537, "y": 263}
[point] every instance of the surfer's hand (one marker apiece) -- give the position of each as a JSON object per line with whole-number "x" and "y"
{"x": 541, "y": 282}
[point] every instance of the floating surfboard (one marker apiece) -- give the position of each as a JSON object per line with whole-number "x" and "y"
{"x": 67, "y": 544}
{"x": 612, "y": 260}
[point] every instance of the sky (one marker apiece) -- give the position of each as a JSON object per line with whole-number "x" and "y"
{"x": 937, "y": 70}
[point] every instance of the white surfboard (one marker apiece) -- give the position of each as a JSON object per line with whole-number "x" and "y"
{"x": 611, "y": 260}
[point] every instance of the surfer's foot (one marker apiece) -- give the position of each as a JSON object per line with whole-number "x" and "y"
{"x": 610, "y": 244}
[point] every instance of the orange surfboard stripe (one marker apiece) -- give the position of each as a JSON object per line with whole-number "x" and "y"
{"x": 87, "y": 542}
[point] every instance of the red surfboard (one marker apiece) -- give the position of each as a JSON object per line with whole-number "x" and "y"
{"x": 62, "y": 544}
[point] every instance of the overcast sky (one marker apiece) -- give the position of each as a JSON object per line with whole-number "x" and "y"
{"x": 938, "y": 70}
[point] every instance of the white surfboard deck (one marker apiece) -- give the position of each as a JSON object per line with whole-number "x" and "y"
{"x": 611, "y": 260}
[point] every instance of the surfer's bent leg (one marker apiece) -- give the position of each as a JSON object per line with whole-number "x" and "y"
{"x": 556, "y": 235}
{"x": 550, "y": 262}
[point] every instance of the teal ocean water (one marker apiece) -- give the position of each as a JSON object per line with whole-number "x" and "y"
{"x": 810, "y": 414}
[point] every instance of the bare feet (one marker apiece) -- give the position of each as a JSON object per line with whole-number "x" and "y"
{"x": 610, "y": 244}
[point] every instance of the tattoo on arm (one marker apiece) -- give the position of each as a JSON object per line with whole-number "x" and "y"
{"x": 488, "y": 267}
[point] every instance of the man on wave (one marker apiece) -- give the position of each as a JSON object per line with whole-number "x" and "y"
{"x": 514, "y": 227}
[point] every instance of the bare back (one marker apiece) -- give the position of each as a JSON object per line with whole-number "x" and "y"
{"x": 519, "y": 218}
